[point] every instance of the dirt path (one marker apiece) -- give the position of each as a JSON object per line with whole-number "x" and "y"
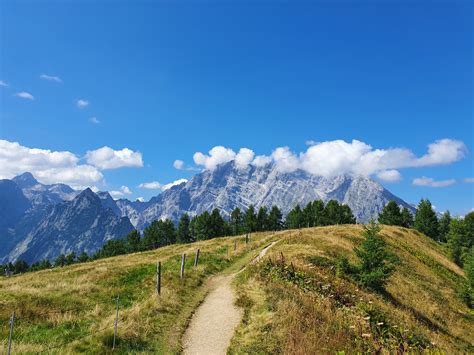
{"x": 214, "y": 323}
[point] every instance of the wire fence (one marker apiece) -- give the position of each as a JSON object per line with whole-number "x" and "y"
{"x": 31, "y": 315}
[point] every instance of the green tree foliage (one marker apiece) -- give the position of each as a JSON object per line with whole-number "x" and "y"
{"x": 159, "y": 233}
{"x": 391, "y": 215}
{"x": 336, "y": 213}
{"x": 201, "y": 226}
{"x": 218, "y": 224}
{"x": 250, "y": 220}
{"x": 262, "y": 219}
{"x": 41, "y": 265}
{"x": 133, "y": 242}
{"x": 235, "y": 222}
{"x": 275, "y": 221}
{"x": 376, "y": 262}
{"x": 295, "y": 218}
{"x": 20, "y": 266}
{"x": 425, "y": 220}
{"x": 467, "y": 293}
{"x": 83, "y": 257}
{"x": 183, "y": 234}
{"x": 71, "y": 258}
{"x": 444, "y": 223}
{"x": 60, "y": 260}
{"x": 458, "y": 240}
{"x": 407, "y": 218}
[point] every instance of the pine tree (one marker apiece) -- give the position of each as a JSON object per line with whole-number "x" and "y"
{"x": 83, "y": 257}
{"x": 133, "y": 241}
{"x": 407, "y": 218}
{"x": 262, "y": 219}
{"x": 71, "y": 258}
{"x": 468, "y": 289}
{"x": 331, "y": 213}
{"x": 318, "y": 213}
{"x": 236, "y": 221}
{"x": 444, "y": 223}
{"x": 275, "y": 222}
{"x": 250, "y": 220}
{"x": 308, "y": 215}
{"x": 60, "y": 260}
{"x": 458, "y": 240}
{"x": 20, "y": 266}
{"x": 391, "y": 215}
{"x": 183, "y": 234}
{"x": 376, "y": 265}
{"x": 159, "y": 233}
{"x": 217, "y": 224}
{"x": 295, "y": 218}
{"x": 425, "y": 220}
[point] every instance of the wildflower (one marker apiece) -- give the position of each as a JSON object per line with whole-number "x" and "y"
{"x": 366, "y": 335}
{"x": 379, "y": 323}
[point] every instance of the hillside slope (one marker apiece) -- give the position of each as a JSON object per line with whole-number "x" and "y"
{"x": 72, "y": 309}
{"x": 308, "y": 309}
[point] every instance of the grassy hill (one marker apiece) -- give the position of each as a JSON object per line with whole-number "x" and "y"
{"x": 297, "y": 306}
{"x": 300, "y": 306}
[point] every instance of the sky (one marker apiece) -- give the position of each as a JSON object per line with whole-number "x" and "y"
{"x": 131, "y": 96}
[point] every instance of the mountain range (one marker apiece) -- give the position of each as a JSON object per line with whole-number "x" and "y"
{"x": 40, "y": 221}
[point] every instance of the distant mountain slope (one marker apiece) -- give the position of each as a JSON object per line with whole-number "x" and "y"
{"x": 72, "y": 226}
{"x": 228, "y": 187}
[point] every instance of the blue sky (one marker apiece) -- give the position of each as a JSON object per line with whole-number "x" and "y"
{"x": 167, "y": 80}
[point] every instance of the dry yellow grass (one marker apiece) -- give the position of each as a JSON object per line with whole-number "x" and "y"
{"x": 72, "y": 309}
{"x": 318, "y": 312}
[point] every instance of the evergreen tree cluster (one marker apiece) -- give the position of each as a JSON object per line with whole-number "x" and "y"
{"x": 201, "y": 227}
{"x": 394, "y": 216}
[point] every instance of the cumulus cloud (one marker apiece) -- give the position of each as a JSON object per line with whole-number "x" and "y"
{"x": 25, "y": 95}
{"x": 107, "y": 158}
{"x": 178, "y": 164}
{"x": 244, "y": 157}
{"x": 46, "y": 165}
{"x": 174, "y": 183}
{"x": 3, "y": 83}
{"x": 217, "y": 155}
{"x": 82, "y": 103}
{"x": 426, "y": 181}
{"x": 469, "y": 180}
{"x": 56, "y": 79}
{"x": 155, "y": 185}
{"x": 389, "y": 175}
{"x": 338, "y": 157}
{"x": 124, "y": 190}
{"x": 152, "y": 185}
{"x": 94, "y": 120}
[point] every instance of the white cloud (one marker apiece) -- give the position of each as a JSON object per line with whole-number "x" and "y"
{"x": 178, "y": 164}
{"x": 25, "y": 95}
{"x": 3, "y": 83}
{"x": 217, "y": 155}
{"x": 469, "y": 180}
{"x": 337, "y": 157}
{"x": 94, "y": 120}
{"x": 82, "y": 103}
{"x": 107, "y": 158}
{"x": 425, "y": 181}
{"x": 51, "y": 78}
{"x": 261, "y": 160}
{"x": 46, "y": 165}
{"x": 116, "y": 194}
{"x": 125, "y": 190}
{"x": 174, "y": 183}
{"x": 152, "y": 185}
{"x": 389, "y": 175}
{"x": 244, "y": 158}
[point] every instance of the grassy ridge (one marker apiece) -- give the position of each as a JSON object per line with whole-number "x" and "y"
{"x": 72, "y": 309}
{"x": 300, "y": 306}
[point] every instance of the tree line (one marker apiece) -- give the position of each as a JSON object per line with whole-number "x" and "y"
{"x": 456, "y": 234}
{"x": 204, "y": 226}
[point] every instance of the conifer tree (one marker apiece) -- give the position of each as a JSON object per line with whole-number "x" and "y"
{"x": 275, "y": 222}
{"x": 444, "y": 223}
{"x": 295, "y": 218}
{"x": 262, "y": 219}
{"x": 391, "y": 215}
{"x": 183, "y": 234}
{"x": 376, "y": 264}
{"x": 407, "y": 218}
{"x": 250, "y": 220}
{"x": 236, "y": 221}
{"x": 425, "y": 220}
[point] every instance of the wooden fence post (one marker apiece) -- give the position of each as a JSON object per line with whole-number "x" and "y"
{"x": 247, "y": 238}
{"x": 196, "y": 259}
{"x": 158, "y": 278}
{"x": 12, "y": 322}
{"x": 235, "y": 245}
{"x": 116, "y": 323}
{"x": 183, "y": 260}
